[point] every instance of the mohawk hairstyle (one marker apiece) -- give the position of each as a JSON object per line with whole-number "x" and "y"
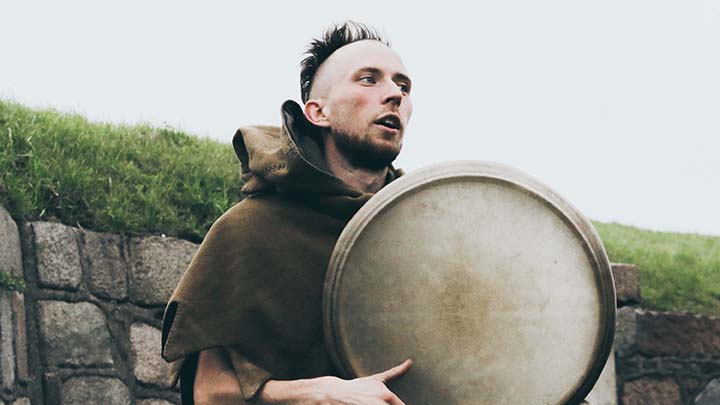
{"x": 320, "y": 49}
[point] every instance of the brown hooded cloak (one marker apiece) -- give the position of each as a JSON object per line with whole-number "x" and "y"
{"x": 255, "y": 285}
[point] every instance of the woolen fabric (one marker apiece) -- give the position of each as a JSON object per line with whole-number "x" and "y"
{"x": 255, "y": 285}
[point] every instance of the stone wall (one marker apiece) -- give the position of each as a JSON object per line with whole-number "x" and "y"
{"x": 663, "y": 357}
{"x": 86, "y": 329}
{"x": 667, "y": 358}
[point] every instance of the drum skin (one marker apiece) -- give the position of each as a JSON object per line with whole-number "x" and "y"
{"x": 498, "y": 289}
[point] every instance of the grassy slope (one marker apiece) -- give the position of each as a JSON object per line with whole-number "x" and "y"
{"x": 678, "y": 271}
{"x": 147, "y": 180}
{"x": 112, "y": 178}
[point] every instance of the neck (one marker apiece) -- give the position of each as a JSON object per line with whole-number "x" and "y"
{"x": 361, "y": 178}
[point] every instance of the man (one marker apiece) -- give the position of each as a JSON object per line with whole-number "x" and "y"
{"x": 246, "y": 319}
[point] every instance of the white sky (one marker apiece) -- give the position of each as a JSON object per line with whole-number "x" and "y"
{"x": 615, "y": 104}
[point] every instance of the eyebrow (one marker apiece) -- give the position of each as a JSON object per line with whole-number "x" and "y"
{"x": 376, "y": 71}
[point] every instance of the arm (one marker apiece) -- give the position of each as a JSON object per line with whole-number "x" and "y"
{"x": 215, "y": 383}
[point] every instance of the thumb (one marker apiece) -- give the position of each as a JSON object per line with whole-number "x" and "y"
{"x": 393, "y": 373}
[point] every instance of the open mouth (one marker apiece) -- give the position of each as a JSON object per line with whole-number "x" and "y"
{"x": 390, "y": 121}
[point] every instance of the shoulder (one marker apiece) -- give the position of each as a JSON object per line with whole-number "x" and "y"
{"x": 263, "y": 213}
{"x": 229, "y": 250}
{"x": 251, "y": 210}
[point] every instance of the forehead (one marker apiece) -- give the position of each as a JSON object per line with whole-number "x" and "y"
{"x": 366, "y": 53}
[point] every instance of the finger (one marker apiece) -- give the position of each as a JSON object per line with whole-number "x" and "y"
{"x": 394, "y": 372}
{"x": 395, "y": 400}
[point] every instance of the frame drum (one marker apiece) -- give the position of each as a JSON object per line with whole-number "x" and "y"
{"x": 497, "y": 288}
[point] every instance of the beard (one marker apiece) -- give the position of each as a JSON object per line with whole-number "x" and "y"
{"x": 361, "y": 152}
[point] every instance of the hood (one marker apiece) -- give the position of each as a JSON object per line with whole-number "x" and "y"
{"x": 288, "y": 158}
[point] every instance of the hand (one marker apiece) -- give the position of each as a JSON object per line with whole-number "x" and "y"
{"x": 370, "y": 390}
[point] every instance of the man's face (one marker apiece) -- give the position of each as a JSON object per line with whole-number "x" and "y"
{"x": 364, "y": 90}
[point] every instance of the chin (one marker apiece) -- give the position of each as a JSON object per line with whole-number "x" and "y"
{"x": 373, "y": 152}
{"x": 383, "y": 157}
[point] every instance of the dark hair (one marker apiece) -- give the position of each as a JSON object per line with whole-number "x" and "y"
{"x": 335, "y": 37}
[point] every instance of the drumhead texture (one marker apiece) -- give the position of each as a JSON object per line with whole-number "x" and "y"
{"x": 498, "y": 289}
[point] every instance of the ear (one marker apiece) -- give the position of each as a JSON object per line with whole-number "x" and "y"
{"x": 314, "y": 113}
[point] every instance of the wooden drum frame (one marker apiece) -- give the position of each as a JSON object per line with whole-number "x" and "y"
{"x": 497, "y": 288}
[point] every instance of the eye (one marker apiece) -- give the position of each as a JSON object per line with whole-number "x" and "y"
{"x": 404, "y": 87}
{"x": 368, "y": 79}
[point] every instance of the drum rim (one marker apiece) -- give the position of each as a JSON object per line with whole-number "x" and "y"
{"x": 580, "y": 225}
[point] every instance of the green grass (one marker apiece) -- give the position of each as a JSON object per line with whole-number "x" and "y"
{"x": 678, "y": 272}
{"x": 139, "y": 179}
{"x": 135, "y": 179}
{"x": 10, "y": 282}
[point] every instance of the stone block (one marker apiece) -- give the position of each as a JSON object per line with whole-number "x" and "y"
{"x": 105, "y": 264}
{"x": 148, "y": 366}
{"x": 625, "y": 331}
{"x": 10, "y": 251}
{"x": 74, "y": 334}
{"x": 710, "y": 395}
{"x": 7, "y": 350}
{"x": 677, "y": 334}
{"x": 58, "y": 258}
{"x": 20, "y": 335}
{"x": 646, "y": 391}
{"x": 95, "y": 390}
{"x": 627, "y": 284}
{"x": 156, "y": 266}
{"x": 154, "y": 402}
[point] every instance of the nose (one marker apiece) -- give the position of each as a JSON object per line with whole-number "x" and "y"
{"x": 393, "y": 94}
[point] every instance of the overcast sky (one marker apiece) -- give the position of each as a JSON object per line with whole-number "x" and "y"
{"x": 615, "y": 104}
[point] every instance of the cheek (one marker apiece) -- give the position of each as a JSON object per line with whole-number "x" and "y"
{"x": 407, "y": 110}
{"x": 351, "y": 108}
{"x": 357, "y": 103}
